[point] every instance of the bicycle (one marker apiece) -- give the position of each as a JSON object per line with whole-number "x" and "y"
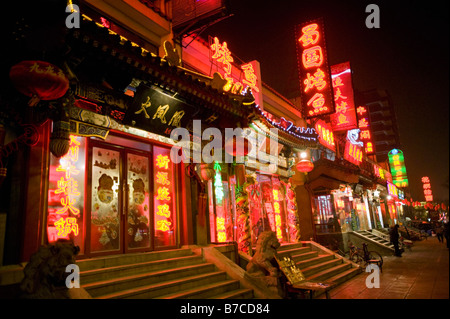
{"x": 364, "y": 257}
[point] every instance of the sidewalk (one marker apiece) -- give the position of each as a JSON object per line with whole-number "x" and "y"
{"x": 422, "y": 273}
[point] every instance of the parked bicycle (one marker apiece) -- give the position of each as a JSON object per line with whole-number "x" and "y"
{"x": 364, "y": 257}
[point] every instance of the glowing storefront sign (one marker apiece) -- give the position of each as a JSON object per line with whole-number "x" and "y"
{"x": 276, "y": 207}
{"x": 392, "y": 190}
{"x": 362, "y": 114}
{"x": 353, "y": 153}
{"x": 427, "y": 189}
{"x": 345, "y": 116}
{"x": 398, "y": 168}
{"x": 326, "y": 137}
{"x": 163, "y": 197}
{"x": 315, "y": 81}
{"x": 65, "y": 193}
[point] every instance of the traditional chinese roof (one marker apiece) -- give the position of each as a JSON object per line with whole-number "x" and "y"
{"x": 91, "y": 39}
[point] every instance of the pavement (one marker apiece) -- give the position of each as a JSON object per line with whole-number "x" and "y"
{"x": 422, "y": 273}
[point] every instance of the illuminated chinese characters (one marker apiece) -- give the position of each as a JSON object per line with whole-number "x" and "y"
{"x": 326, "y": 136}
{"x": 398, "y": 168}
{"x": 65, "y": 198}
{"x": 219, "y": 193}
{"x": 362, "y": 114}
{"x": 248, "y": 73}
{"x": 353, "y": 153}
{"x": 315, "y": 79}
{"x": 276, "y": 207}
{"x": 164, "y": 196}
{"x": 427, "y": 189}
{"x": 345, "y": 116}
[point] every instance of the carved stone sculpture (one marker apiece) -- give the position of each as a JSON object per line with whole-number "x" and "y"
{"x": 266, "y": 249}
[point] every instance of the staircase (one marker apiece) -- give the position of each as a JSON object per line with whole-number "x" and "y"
{"x": 171, "y": 274}
{"x": 319, "y": 264}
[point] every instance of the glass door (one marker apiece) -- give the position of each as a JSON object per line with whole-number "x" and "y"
{"x": 119, "y": 200}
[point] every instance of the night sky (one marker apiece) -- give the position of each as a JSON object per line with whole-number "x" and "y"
{"x": 407, "y": 56}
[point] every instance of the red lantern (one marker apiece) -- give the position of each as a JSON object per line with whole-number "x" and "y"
{"x": 238, "y": 146}
{"x": 443, "y": 207}
{"x": 305, "y": 166}
{"x": 39, "y": 80}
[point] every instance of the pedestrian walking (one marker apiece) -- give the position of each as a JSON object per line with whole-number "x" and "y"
{"x": 440, "y": 233}
{"x": 446, "y": 231}
{"x": 394, "y": 237}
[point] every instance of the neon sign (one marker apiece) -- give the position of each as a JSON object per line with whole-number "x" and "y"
{"x": 219, "y": 192}
{"x": 353, "y": 153}
{"x": 345, "y": 116}
{"x": 65, "y": 199}
{"x": 427, "y": 189}
{"x": 326, "y": 137}
{"x": 398, "y": 168}
{"x": 163, "y": 190}
{"x": 362, "y": 114}
{"x": 276, "y": 207}
{"x": 315, "y": 81}
{"x": 392, "y": 189}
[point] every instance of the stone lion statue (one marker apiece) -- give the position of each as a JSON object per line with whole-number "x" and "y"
{"x": 266, "y": 249}
{"x": 45, "y": 274}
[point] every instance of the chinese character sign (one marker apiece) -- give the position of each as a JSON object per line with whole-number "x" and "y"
{"x": 315, "y": 81}
{"x": 398, "y": 168}
{"x": 353, "y": 153}
{"x": 362, "y": 115}
{"x": 345, "y": 116}
{"x": 164, "y": 197}
{"x": 392, "y": 190}
{"x": 427, "y": 189}
{"x": 326, "y": 137}
{"x": 66, "y": 189}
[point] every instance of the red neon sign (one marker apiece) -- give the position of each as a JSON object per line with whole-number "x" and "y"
{"x": 353, "y": 153}
{"x": 326, "y": 137}
{"x": 362, "y": 114}
{"x": 65, "y": 193}
{"x": 345, "y": 116}
{"x": 314, "y": 73}
{"x": 427, "y": 189}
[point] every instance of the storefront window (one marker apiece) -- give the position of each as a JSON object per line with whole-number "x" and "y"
{"x": 324, "y": 216}
{"x": 66, "y": 194}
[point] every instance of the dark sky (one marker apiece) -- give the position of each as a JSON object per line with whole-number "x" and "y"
{"x": 408, "y": 56}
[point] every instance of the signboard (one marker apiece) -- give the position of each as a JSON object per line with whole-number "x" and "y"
{"x": 326, "y": 137}
{"x": 365, "y": 134}
{"x": 392, "y": 190}
{"x": 315, "y": 80}
{"x": 293, "y": 274}
{"x": 427, "y": 189}
{"x": 398, "y": 169}
{"x": 353, "y": 153}
{"x": 157, "y": 112}
{"x": 345, "y": 116}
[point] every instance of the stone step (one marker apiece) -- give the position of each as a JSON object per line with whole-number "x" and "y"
{"x": 113, "y": 285}
{"x": 312, "y": 261}
{"x": 242, "y": 293}
{"x": 292, "y": 246}
{"x": 102, "y": 274}
{"x": 167, "y": 287}
{"x": 314, "y": 269}
{"x": 294, "y": 251}
{"x": 126, "y": 259}
{"x": 205, "y": 291}
{"x": 304, "y": 256}
{"x": 330, "y": 272}
{"x": 344, "y": 276}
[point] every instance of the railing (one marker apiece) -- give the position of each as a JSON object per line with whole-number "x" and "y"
{"x": 381, "y": 234}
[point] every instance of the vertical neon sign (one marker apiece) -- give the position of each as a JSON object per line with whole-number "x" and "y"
{"x": 276, "y": 207}
{"x": 427, "y": 189}
{"x": 164, "y": 197}
{"x": 66, "y": 186}
{"x": 220, "y": 212}
{"x": 315, "y": 80}
{"x": 362, "y": 114}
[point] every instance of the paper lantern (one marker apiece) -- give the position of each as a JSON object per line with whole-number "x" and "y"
{"x": 305, "y": 166}
{"x": 238, "y": 146}
{"x": 206, "y": 172}
{"x": 39, "y": 80}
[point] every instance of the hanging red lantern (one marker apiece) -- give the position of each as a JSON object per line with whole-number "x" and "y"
{"x": 39, "y": 80}
{"x": 238, "y": 146}
{"x": 305, "y": 166}
{"x": 443, "y": 207}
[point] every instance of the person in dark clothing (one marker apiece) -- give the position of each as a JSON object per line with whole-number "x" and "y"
{"x": 394, "y": 236}
{"x": 440, "y": 233}
{"x": 446, "y": 232}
